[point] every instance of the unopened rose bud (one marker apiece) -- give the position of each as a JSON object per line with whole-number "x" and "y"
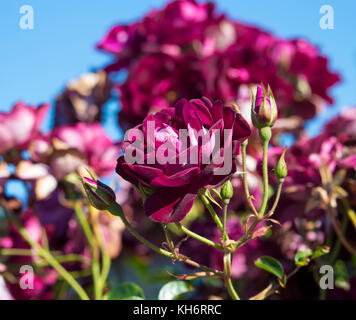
{"x": 281, "y": 170}
{"x": 100, "y": 195}
{"x": 264, "y": 109}
{"x": 227, "y": 191}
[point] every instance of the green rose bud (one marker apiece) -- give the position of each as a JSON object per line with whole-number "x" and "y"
{"x": 281, "y": 170}
{"x": 100, "y": 195}
{"x": 227, "y": 192}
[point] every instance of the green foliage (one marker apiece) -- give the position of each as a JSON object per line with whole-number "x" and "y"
{"x": 302, "y": 258}
{"x": 341, "y": 275}
{"x": 320, "y": 252}
{"x": 126, "y": 291}
{"x": 271, "y": 265}
{"x": 174, "y": 290}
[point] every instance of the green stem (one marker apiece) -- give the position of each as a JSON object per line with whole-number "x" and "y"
{"x": 168, "y": 239}
{"x": 95, "y": 266}
{"x": 53, "y": 262}
{"x": 265, "y": 138}
{"x": 276, "y": 199}
{"x": 244, "y": 169}
{"x": 90, "y": 238}
{"x": 81, "y": 273}
{"x": 60, "y": 258}
{"x": 16, "y": 252}
{"x": 106, "y": 261}
{"x": 224, "y": 234}
{"x": 227, "y": 277}
{"x": 246, "y": 237}
{"x": 230, "y": 288}
{"x": 198, "y": 237}
{"x": 212, "y": 212}
{"x": 68, "y": 258}
{"x": 116, "y": 210}
{"x": 106, "y": 264}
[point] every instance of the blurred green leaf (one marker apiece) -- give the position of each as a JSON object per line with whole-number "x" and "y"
{"x": 126, "y": 291}
{"x": 353, "y": 261}
{"x": 174, "y": 290}
{"x": 271, "y": 265}
{"x": 302, "y": 257}
{"x": 320, "y": 252}
{"x": 341, "y": 275}
{"x": 140, "y": 266}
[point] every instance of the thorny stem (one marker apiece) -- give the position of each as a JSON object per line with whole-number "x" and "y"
{"x": 169, "y": 240}
{"x": 227, "y": 256}
{"x": 212, "y": 212}
{"x": 246, "y": 237}
{"x": 198, "y": 237}
{"x": 116, "y": 210}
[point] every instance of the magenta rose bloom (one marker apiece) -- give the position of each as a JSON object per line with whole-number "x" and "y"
{"x": 90, "y": 139}
{"x": 155, "y": 82}
{"x": 177, "y": 25}
{"x": 192, "y": 146}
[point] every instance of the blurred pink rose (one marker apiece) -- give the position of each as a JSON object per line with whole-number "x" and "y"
{"x": 19, "y": 126}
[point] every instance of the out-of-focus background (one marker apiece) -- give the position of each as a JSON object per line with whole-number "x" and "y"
{"x": 152, "y": 54}
{"x": 36, "y": 64}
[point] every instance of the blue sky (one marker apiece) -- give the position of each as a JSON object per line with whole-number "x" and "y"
{"x": 36, "y": 64}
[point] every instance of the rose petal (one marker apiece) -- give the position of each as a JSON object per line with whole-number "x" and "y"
{"x": 179, "y": 179}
